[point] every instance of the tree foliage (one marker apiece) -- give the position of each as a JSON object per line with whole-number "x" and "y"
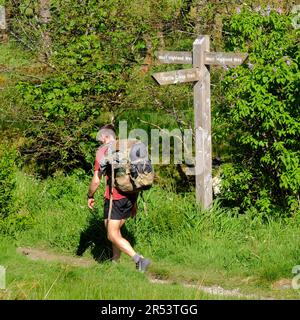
{"x": 261, "y": 113}
{"x": 96, "y": 49}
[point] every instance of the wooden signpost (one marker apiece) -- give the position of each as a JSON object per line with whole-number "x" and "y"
{"x": 200, "y": 58}
{"x": 178, "y": 76}
{"x": 226, "y": 58}
{"x": 179, "y": 57}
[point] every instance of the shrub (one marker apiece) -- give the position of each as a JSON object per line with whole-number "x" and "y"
{"x": 261, "y": 114}
{"x": 93, "y": 55}
{"x": 7, "y": 179}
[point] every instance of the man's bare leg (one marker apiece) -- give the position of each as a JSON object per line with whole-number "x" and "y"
{"x": 118, "y": 242}
{"x": 115, "y": 236}
{"x": 116, "y": 250}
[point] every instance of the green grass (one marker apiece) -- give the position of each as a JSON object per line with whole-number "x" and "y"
{"x": 187, "y": 245}
{"x": 14, "y": 56}
{"x": 28, "y": 279}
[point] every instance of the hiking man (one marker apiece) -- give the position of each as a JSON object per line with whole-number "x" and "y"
{"x": 123, "y": 205}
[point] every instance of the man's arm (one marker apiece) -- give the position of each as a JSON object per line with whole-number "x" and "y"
{"x": 93, "y": 188}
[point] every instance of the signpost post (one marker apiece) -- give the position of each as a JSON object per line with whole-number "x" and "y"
{"x": 201, "y": 58}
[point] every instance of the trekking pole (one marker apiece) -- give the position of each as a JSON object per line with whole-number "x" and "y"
{"x": 111, "y": 191}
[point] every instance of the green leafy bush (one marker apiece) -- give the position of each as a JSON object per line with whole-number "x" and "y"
{"x": 14, "y": 218}
{"x": 93, "y": 56}
{"x": 7, "y": 179}
{"x": 260, "y": 114}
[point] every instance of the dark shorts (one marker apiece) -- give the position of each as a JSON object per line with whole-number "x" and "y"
{"x": 121, "y": 209}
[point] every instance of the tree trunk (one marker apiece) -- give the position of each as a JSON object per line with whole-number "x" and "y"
{"x": 200, "y": 23}
{"x": 148, "y": 58}
{"x": 45, "y": 18}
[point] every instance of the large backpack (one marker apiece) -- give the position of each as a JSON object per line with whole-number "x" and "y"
{"x": 128, "y": 165}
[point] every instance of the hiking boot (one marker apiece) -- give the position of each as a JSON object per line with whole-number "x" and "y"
{"x": 142, "y": 264}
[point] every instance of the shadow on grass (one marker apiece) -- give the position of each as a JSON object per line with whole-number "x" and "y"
{"x": 95, "y": 238}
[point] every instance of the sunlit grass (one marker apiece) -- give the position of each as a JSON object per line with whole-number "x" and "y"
{"x": 186, "y": 244}
{"x": 19, "y": 58}
{"x": 41, "y": 280}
